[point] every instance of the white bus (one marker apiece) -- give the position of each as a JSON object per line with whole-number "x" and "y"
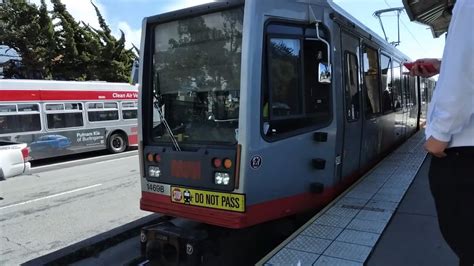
{"x": 64, "y": 117}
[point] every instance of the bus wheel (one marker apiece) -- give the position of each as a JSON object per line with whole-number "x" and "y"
{"x": 117, "y": 143}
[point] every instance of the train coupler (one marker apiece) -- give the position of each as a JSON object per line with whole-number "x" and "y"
{"x": 168, "y": 244}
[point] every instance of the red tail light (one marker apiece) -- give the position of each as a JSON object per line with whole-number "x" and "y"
{"x": 25, "y": 152}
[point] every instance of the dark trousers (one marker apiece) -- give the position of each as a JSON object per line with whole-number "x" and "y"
{"x": 452, "y": 186}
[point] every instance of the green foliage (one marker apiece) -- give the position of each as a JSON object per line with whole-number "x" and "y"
{"x": 66, "y": 50}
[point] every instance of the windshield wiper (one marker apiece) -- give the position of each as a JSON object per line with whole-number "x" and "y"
{"x": 158, "y": 97}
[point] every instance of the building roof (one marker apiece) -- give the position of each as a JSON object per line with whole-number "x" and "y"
{"x": 434, "y": 13}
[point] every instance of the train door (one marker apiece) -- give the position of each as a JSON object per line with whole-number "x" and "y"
{"x": 372, "y": 129}
{"x": 352, "y": 117}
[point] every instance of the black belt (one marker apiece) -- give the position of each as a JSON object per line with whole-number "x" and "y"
{"x": 461, "y": 151}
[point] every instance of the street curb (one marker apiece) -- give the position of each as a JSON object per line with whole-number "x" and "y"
{"x": 96, "y": 244}
{"x": 62, "y": 165}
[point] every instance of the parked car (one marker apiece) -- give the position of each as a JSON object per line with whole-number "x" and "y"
{"x": 13, "y": 159}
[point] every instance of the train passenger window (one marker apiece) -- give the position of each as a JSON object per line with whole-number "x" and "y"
{"x": 386, "y": 77}
{"x": 396, "y": 85}
{"x": 351, "y": 76}
{"x": 371, "y": 81}
{"x": 413, "y": 92}
{"x": 64, "y": 115}
{"x": 284, "y": 72}
{"x": 26, "y": 119}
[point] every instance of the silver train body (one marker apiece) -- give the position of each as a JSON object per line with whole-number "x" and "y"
{"x": 255, "y": 110}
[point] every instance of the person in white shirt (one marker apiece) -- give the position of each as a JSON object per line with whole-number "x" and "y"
{"x": 450, "y": 133}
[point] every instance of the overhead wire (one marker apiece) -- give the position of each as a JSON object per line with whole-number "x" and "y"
{"x": 405, "y": 26}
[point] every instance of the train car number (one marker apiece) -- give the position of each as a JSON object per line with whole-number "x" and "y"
{"x": 209, "y": 199}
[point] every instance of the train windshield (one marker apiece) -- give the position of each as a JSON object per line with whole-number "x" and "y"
{"x": 197, "y": 78}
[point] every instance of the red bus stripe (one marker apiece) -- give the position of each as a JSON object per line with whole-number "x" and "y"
{"x": 133, "y": 140}
{"x": 58, "y": 95}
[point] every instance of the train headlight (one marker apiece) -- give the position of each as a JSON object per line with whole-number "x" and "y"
{"x": 221, "y": 178}
{"x": 154, "y": 171}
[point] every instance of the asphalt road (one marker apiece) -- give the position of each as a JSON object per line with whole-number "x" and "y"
{"x": 62, "y": 205}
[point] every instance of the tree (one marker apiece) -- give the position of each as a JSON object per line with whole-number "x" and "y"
{"x": 21, "y": 29}
{"x": 67, "y": 50}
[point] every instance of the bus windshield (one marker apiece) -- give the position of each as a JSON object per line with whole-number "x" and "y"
{"x": 196, "y": 68}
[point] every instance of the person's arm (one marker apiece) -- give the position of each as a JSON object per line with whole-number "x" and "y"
{"x": 453, "y": 104}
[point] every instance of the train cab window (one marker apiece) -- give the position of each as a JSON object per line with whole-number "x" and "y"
{"x": 19, "y": 118}
{"x": 351, "y": 79}
{"x": 64, "y": 115}
{"x": 284, "y": 72}
{"x": 396, "y": 85}
{"x": 294, "y": 99}
{"x": 386, "y": 78}
{"x": 371, "y": 81}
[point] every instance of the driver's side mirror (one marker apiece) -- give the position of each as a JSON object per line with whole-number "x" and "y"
{"x": 324, "y": 73}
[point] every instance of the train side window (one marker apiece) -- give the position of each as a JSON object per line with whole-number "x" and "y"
{"x": 413, "y": 91}
{"x": 386, "y": 78}
{"x": 371, "y": 81}
{"x": 19, "y": 118}
{"x": 285, "y": 95}
{"x": 351, "y": 76}
{"x": 396, "y": 85}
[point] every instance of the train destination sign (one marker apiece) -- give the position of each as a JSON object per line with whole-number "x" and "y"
{"x": 209, "y": 199}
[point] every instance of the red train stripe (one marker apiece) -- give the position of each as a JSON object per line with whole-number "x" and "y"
{"x": 254, "y": 214}
{"x": 58, "y": 95}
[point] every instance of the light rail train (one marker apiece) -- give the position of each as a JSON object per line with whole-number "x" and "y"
{"x": 251, "y": 111}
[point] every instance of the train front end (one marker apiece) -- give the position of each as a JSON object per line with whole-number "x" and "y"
{"x": 190, "y": 97}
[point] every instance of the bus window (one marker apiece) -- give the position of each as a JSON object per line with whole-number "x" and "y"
{"x": 371, "y": 81}
{"x": 102, "y": 111}
{"x": 54, "y": 106}
{"x": 26, "y": 119}
{"x": 129, "y": 110}
{"x": 64, "y": 115}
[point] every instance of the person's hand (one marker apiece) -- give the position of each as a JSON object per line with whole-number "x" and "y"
{"x": 436, "y": 147}
{"x": 419, "y": 70}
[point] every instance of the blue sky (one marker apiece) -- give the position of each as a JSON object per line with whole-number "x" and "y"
{"x": 127, "y": 15}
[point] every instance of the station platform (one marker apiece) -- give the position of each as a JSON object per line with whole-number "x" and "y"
{"x": 386, "y": 218}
